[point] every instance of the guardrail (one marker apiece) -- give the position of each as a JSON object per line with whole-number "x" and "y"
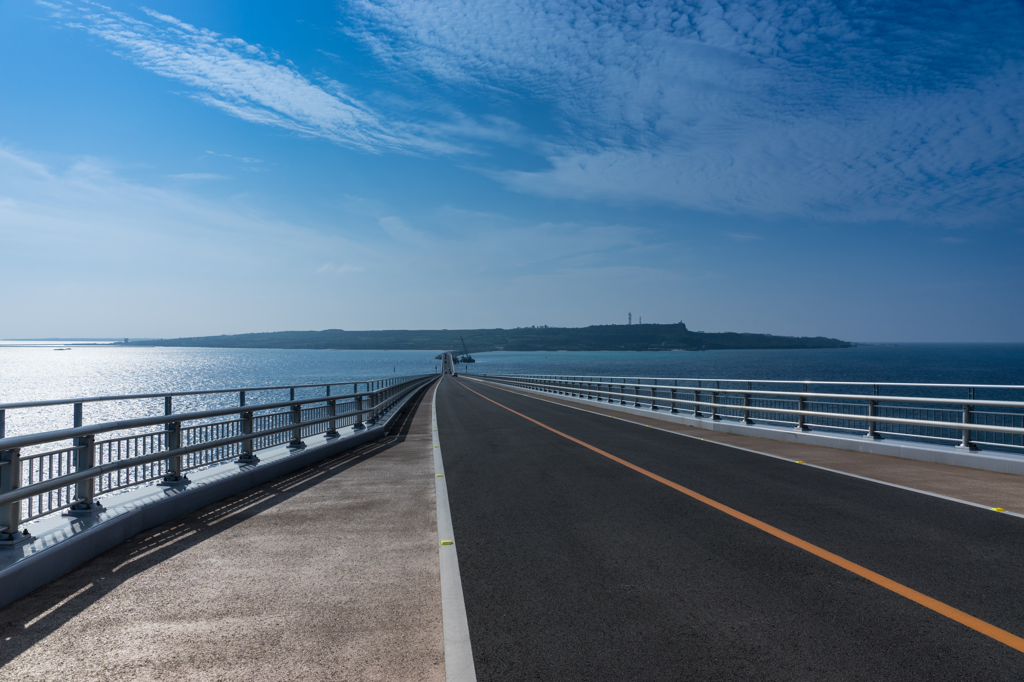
{"x": 43, "y": 473}
{"x": 859, "y": 409}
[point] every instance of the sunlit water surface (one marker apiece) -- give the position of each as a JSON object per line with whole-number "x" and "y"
{"x": 41, "y": 373}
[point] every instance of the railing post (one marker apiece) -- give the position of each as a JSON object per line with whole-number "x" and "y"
{"x": 85, "y": 458}
{"x": 359, "y": 408}
{"x": 636, "y": 393}
{"x": 10, "y": 514}
{"x": 85, "y": 491}
{"x": 674, "y": 409}
{"x": 965, "y": 432}
{"x": 872, "y": 425}
{"x": 248, "y": 455}
{"x": 654, "y": 394}
{"x": 714, "y": 405}
{"x": 872, "y": 433}
{"x": 696, "y": 401}
{"x": 296, "y": 441}
{"x": 746, "y": 407}
{"x": 377, "y": 401}
{"x": 172, "y": 441}
{"x": 800, "y": 404}
{"x": 332, "y": 410}
{"x": 174, "y": 474}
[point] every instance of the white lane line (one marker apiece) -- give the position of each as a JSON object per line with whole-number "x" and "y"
{"x": 458, "y": 652}
{"x": 743, "y": 449}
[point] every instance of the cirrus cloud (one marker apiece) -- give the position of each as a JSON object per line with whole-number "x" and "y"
{"x": 759, "y": 107}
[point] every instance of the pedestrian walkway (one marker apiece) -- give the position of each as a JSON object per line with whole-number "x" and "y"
{"x": 330, "y": 573}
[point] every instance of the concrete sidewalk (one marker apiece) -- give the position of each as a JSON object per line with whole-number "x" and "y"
{"x": 330, "y": 573}
{"x": 986, "y": 488}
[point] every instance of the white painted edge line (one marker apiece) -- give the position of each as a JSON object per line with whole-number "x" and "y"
{"x": 753, "y": 452}
{"x": 458, "y": 651}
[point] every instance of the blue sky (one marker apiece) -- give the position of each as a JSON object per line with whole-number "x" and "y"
{"x": 186, "y": 168}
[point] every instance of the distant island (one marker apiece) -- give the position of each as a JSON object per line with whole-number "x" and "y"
{"x": 634, "y": 337}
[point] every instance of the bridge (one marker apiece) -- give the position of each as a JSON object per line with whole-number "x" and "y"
{"x": 476, "y": 527}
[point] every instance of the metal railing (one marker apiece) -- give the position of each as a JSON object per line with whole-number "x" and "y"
{"x": 851, "y": 407}
{"x": 68, "y": 469}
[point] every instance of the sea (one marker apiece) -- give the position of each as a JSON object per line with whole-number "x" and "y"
{"x": 39, "y": 372}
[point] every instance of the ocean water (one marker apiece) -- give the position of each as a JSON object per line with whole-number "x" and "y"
{"x": 906, "y": 363}
{"x": 40, "y": 373}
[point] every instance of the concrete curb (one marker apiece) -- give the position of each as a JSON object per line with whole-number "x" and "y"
{"x": 987, "y": 461}
{"x": 458, "y": 650}
{"x": 67, "y": 553}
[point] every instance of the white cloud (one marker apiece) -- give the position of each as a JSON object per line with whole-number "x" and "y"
{"x": 758, "y": 108}
{"x": 743, "y": 236}
{"x": 240, "y": 78}
{"x": 397, "y": 229}
{"x": 23, "y": 164}
{"x": 87, "y": 250}
{"x": 335, "y": 269}
{"x": 768, "y": 107}
{"x": 90, "y": 251}
{"x": 243, "y": 159}
{"x": 198, "y": 176}
{"x": 256, "y": 85}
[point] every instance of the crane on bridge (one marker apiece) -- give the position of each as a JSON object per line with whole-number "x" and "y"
{"x": 467, "y": 357}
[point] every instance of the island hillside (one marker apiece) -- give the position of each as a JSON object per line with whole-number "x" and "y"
{"x": 636, "y": 337}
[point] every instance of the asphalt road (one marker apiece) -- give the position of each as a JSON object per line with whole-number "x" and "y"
{"x": 576, "y": 567}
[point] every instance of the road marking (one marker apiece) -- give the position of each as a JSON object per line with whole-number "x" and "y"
{"x": 1009, "y": 639}
{"x": 458, "y": 651}
{"x": 536, "y": 395}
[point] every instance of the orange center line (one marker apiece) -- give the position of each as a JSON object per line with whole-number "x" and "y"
{"x": 987, "y": 629}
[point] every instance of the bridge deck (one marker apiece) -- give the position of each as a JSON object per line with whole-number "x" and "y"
{"x": 330, "y": 573}
{"x": 987, "y": 488}
{"x": 575, "y": 566}
{"x": 590, "y": 548}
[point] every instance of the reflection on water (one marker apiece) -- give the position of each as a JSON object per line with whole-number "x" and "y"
{"x": 40, "y": 373}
